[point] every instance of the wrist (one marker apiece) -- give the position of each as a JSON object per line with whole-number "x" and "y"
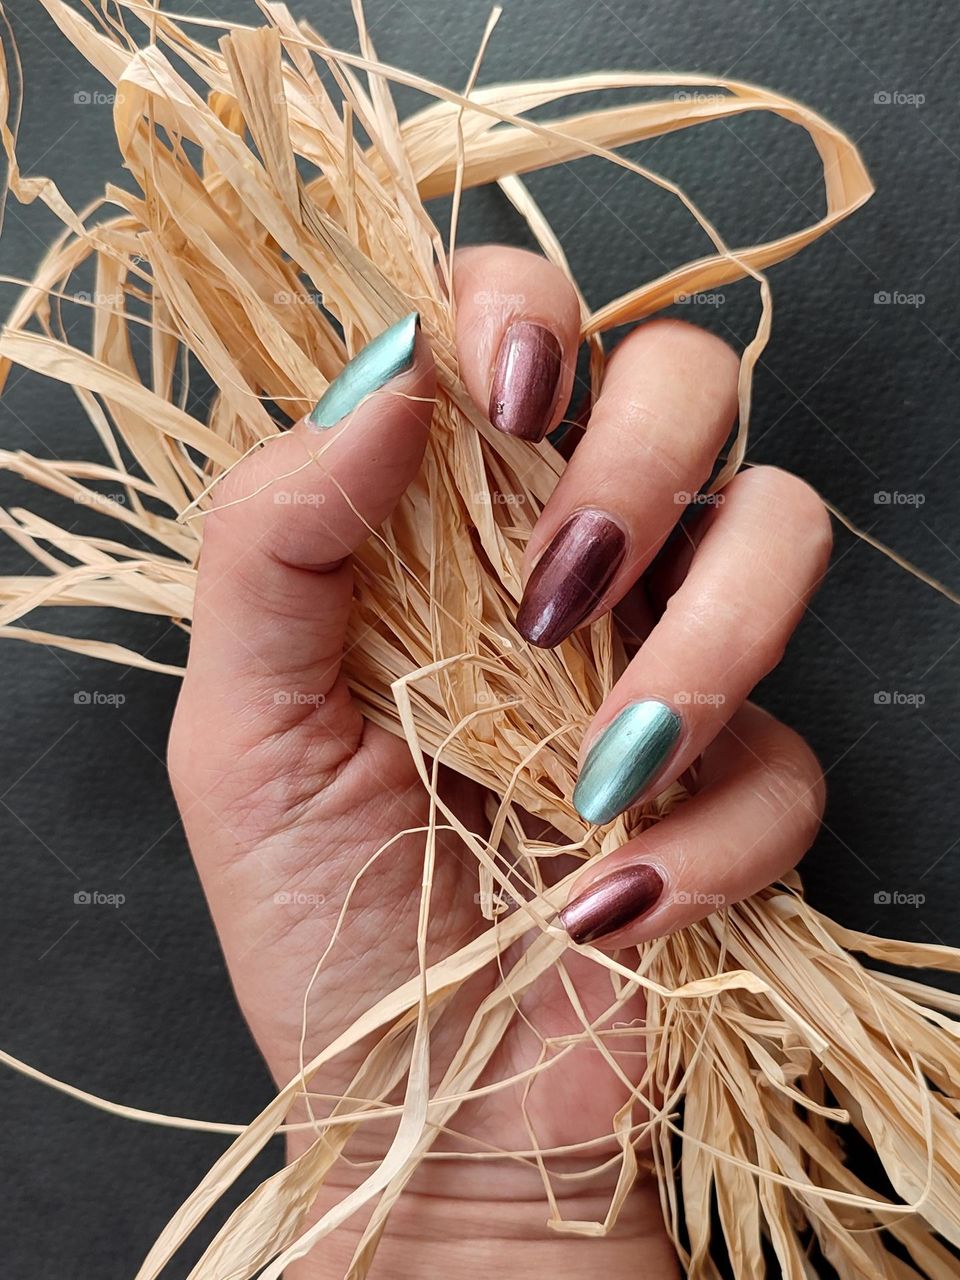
{"x": 429, "y": 1235}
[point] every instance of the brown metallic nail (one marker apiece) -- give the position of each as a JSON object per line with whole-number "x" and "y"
{"x": 525, "y": 381}
{"x": 570, "y": 577}
{"x": 612, "y": 903}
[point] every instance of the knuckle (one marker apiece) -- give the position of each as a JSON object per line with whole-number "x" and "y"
{"x": 762, "y": 648}
{"x": 550, "y": 274}
{"x": 683, "y": 411}
{"x": 792, "y": 786}
{"x": 711, "y": 358}
{"x": 516, "y": 282}
{"x": 754, "y": 637}
{"x": 794, "y": 505}
{"x": 713, "y": 355}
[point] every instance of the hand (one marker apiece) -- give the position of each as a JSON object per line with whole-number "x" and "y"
{"x": 286, "y": 791}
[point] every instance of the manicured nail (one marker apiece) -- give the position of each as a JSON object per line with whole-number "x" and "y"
{"x": 612, "y": 903}
{"x": 625, "y": 759}
{"x": 570, "y": 577}
{"x": 525, "y": 381}
{"x": 369, "y": 370}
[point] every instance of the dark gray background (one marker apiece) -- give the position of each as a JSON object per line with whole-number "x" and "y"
{"x": 133, "y": 1003}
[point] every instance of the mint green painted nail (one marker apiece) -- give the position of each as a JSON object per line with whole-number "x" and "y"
{"x": 370, "y": 369}
{"x": 625, "y": 759}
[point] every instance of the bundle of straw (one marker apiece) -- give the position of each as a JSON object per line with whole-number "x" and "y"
{"x": 765, "y": 1037}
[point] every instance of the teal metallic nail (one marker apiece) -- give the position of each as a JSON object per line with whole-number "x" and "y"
{"x": 625, "y": 759}
{"x": 369, "y": 370}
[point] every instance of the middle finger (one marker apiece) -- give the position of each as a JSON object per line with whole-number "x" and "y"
{"x": 668, "y": 402}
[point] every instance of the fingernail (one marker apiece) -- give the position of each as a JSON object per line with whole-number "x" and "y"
{"x": 370, "y": 369}
{"x": 570, "y": 577}
{"x": 525, "y": 381}
{"x": 625, "y": 759}
{"x": 612, "y": 903}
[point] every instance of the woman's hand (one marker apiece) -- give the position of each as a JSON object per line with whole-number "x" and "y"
{"x": 286, "y": 791}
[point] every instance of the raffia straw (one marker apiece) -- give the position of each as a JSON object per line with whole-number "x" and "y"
{"x": 766, "y": 1037}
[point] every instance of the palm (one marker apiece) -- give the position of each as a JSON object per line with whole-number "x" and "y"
{"x": 328, "y": 857}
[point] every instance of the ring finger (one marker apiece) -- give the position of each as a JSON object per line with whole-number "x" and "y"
{"x": 764, "y": 551}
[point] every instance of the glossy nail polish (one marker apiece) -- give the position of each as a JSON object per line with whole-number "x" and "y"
{"x": 570, "y": 577}
{"x": 370, "y": 369}
{"x": 525, "y": 381}
{"x": 612, "y": 903}
{"x": 625, "y": 759}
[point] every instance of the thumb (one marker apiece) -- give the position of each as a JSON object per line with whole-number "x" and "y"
{"x": 275, "y": 583}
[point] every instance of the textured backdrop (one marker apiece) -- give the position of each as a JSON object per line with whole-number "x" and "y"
{"x": 857, "y": 393}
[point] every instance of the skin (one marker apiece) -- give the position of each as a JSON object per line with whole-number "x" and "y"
{"x": 283, "y": 800}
